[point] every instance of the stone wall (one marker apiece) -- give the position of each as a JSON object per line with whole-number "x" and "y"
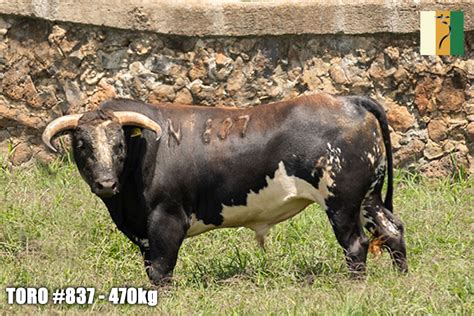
{"x": 49, "y": 69}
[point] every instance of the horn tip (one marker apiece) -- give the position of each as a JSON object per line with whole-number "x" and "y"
{"x": 47, "y": 143}
{"x": 52, "y": 148}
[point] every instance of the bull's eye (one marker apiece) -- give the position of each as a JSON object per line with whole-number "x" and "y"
{"x": 80, "y": 143}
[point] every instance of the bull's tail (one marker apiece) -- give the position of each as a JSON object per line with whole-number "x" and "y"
{"x": 377, "y": 110}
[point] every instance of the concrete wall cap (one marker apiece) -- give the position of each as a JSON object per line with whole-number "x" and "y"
{"x": 241, "y": 18}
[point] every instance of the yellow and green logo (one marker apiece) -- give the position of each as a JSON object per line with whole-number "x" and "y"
{"x": 441, "y": 33}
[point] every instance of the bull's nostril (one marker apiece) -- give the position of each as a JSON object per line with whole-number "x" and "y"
{"x": 99, "y": 185}
{"x": 114, "y": 185}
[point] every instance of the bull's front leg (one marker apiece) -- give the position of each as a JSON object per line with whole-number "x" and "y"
{"x": 166, "y": 232}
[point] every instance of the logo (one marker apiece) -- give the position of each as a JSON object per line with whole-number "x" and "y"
{"x": 442, "y": 33}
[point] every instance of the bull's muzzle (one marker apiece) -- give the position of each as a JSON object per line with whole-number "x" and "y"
{"x": 105, "y": 188}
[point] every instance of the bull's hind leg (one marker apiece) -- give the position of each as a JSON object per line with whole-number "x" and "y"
{"x": 385, "y": 225}
{"x": 350, "y": 235}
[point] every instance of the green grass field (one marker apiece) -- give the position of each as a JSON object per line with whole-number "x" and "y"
{"x": 55, "y": 233}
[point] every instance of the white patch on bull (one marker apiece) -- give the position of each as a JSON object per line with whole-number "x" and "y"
{"x": 387, "y": 223}
{"x": 334, "y": 158}
{"x": 102, "y": 146}
{"x": 282, "y": 198}
{"x": 376, "y": 149}
{"x": 371, "y": 158}
{"x": 325, "y": 183}
{"x": 355, "y": 247}
{"x": 144, "y": 242}
{"x": 365, "y": 219}
{"x": 364, "y": 216}
{"x": 197, "y": 226}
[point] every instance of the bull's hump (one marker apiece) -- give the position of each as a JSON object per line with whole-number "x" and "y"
{"x": 283, "y": 197}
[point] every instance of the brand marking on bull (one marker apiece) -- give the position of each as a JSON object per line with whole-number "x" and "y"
{"x": 225, "y": 129}
{"x": 206, "y": 136}
{"x": 246, "y": 119}
{"x": 176, "y": 134}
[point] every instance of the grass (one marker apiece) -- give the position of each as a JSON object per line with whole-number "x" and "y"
{"x": 55, "y": 233}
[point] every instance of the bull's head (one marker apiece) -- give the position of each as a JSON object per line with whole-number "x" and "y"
{"x": 99, "y": 146}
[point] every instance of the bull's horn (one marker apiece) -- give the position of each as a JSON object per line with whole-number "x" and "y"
{"x": 130, "y": 118}
{"x": 58, "y": 125}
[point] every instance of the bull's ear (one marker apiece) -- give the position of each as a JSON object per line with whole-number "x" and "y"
{"x": 129, "y": 118}
{"x": 60, "y": 124}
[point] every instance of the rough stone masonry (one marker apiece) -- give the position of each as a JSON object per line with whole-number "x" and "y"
{"x": 48, "y": 69}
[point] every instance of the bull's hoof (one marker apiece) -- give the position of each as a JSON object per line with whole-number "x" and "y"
{"x": 358, "y": 275}
{"x": 357, "y": 271}
{"x": 162, "y": 282}
{"x": 402, "y": 265}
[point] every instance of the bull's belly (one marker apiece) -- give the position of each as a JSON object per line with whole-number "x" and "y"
{"x": 282, "y": 198}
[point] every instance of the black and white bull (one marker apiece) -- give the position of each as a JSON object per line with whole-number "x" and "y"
{"x": 167, "y": 172}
